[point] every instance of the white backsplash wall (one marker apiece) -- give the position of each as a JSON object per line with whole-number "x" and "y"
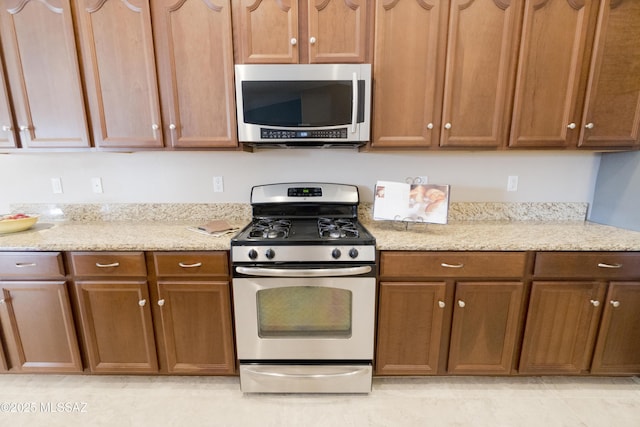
{"x": 187, "y": 177}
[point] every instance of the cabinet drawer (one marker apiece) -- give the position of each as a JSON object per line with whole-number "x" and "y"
{"x": 31, "y": 264}
{"x": 108, "y": 264}
{"x": 452, "y": 264}
{"x": 588, "y": 265}
{"x": 196, "y": 264}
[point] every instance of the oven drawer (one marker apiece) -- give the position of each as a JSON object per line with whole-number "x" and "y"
{"x": 191, "y": 264}
{"x": 31, "y": 264}
{"x": 406, "y": 264}
{"x": 108, "y": 264}
{"x": 588, "y": 265}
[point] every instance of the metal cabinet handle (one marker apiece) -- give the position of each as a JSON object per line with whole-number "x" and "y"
{"x": 155, "y": 126}
{"x": 447, "y": 125}
{"x": 595, "y": 302}
{"x": 571, "y": 125}
{"x": 172, "y": 126}
{"x": 2, "y": 301}
{"x": 142, "y": 302}
{"x": 445, "y": 265}
{"x": 614, "y": 303}
{"x": 113, "y": 264}
{"x": 6, "y": 128}
{"x": 604, "y": 265}
{"x": 161, "y": 302}
{"x": 461, "y": 303}
{"x": 429, "y": 126}
{"x": 196, "y": 264}
{"x": 25, "y": 264}
{"x": 589, "y": 125}
{"x": 23, "y": 128}
{"x": 294, "y": 41}
{"x": 312, "y": 40}
{"x": 441, "y": 304}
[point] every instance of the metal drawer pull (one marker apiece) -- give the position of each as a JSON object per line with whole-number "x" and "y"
{"x": 25, "y": 264}
{"x": 183, "y": 265}
{"x": 441, "y": 304}
{"x": 318, "y": 272}
{"x": 161, "y": 302}
{"x": 595, "y": 302}
{"x": 603, "y": 265}
{"x": 461, "y": 303}
{"x": 113, "y": 264}
{"x": 445, "y": 265}
{"x": 142, "y": 302}
{"x": 614, "y": 303}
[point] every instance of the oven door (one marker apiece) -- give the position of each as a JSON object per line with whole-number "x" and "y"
{"x": 305, "y": 317}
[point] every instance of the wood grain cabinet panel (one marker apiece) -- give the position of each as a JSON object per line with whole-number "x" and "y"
{"x": 7, "y": 129}
{"x": 31, "y": 265}
{"x": 408, "y": 72}
{"x": 481, "y": 59}
{"x": 3, "y": 360}
{"x": 588, "y": 265}
{"x": 110, "y": 264}
{"x": 120, "y": 73}
{"x": 410, "y": 328}
{"x": 618, "y": 347}
{"x": 194, "y": 47}
{"x": 551, "y": 77}
{"x": 38, "y": 38}
{"x": 561, "y": 327}
{"x": 612, "y": 106}
{"x": 484, "y": 331}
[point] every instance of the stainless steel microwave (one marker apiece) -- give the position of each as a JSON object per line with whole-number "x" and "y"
{"x": 304, "y": 105}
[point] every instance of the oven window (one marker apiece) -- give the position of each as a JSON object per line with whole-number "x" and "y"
{"x": 304, "y": 311}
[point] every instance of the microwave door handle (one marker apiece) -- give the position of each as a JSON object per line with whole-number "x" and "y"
{"x": 312, "y": 272}
{"x": 354, "y": 107}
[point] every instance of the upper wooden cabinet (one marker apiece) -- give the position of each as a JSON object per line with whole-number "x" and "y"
{"x": 551, "y": 77}
{"x": 120, "y": 72}
{"x": 612, "y": 107}
{"x": 408, "y": 67}
{"x": 481, "y": 59}
{"x": 7, "y": 131}
{"x": 194, "y": 48}
{"x": 312, "y": 31}
{"x": 43, "y": 72}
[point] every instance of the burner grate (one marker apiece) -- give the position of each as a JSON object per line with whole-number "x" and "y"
{"x": 270, "y": 229}
{"x": 337, "y": 228}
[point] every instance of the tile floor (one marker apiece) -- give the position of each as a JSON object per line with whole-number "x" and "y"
{"x": 86, "y": 400}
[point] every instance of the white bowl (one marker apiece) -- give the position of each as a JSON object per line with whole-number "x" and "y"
{"x": 15, "y": 225}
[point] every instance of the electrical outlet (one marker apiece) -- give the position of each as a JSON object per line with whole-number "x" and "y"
{"x": 218, "y": 184}
{"x": 512, "y": 183}
{"x": 96, "y": 185}
{"x": 56, "y": 185}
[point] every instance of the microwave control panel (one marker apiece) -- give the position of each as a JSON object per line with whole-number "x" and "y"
{"x": 266, "y": 133}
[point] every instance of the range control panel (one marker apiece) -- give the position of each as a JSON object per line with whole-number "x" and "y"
{"x": 266, "y": 133}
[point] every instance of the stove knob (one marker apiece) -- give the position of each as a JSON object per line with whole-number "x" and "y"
{"x": 270, "y": 253}
{"x": 253, "y": 254}
{"x": 336, "y": 253}
{"x": 353, "y": 253}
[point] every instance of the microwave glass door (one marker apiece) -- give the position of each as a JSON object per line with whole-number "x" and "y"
{"x": 304, "y": 311}
{"x": 311, "y": 103}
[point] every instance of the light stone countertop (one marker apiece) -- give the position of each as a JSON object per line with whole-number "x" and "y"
{"x": 472, "y": 227}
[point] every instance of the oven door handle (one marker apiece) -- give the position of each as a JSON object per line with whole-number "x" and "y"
{"x": 307, "y": 272}
{"x": 269, "y": 372}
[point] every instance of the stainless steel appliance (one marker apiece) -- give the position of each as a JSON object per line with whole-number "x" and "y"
{"x": 304, "y": 291}
{"x": 303, "y": 105}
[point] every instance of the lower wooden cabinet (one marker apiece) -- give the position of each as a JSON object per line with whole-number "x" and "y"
{"x": 618, "y": 346}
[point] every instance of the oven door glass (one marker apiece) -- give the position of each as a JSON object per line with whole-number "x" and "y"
{"x": 304, "y": 311}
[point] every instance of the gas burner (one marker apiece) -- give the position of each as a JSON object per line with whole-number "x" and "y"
{"x": 267, "y": 228}
{"x": 337, "y": 228}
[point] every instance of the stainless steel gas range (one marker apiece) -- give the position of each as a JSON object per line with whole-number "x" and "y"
{"x": 304, "y": 291}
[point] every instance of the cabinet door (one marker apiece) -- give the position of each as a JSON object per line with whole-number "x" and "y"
{"x": 485, "y": 324}
{"x": 195, "y": 323}
{"x": 481, "y": 59}
{"x": 551, "y": 73}
{"x": 3, "y": 360}
{"x": 120, "y": 73}
{"x": 117, "y": 326}
{"x": 618, "y": 347}
{"x": 561, "y": 326}
{"x": 195, "y": 64}
{"x": 612, "y": 115}
{"x": 338, "y": 30}
{"x": 44, "y": 75}
{"x": 7, "y": 132}
{"x": 410, "y": 322}
{"x": 269, "y": 31}
{"x": 407, "y": 94}
{"x": 38, "y": 326}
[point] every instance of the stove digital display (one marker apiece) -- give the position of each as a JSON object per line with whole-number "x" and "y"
{"x": 304, "y": 192}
